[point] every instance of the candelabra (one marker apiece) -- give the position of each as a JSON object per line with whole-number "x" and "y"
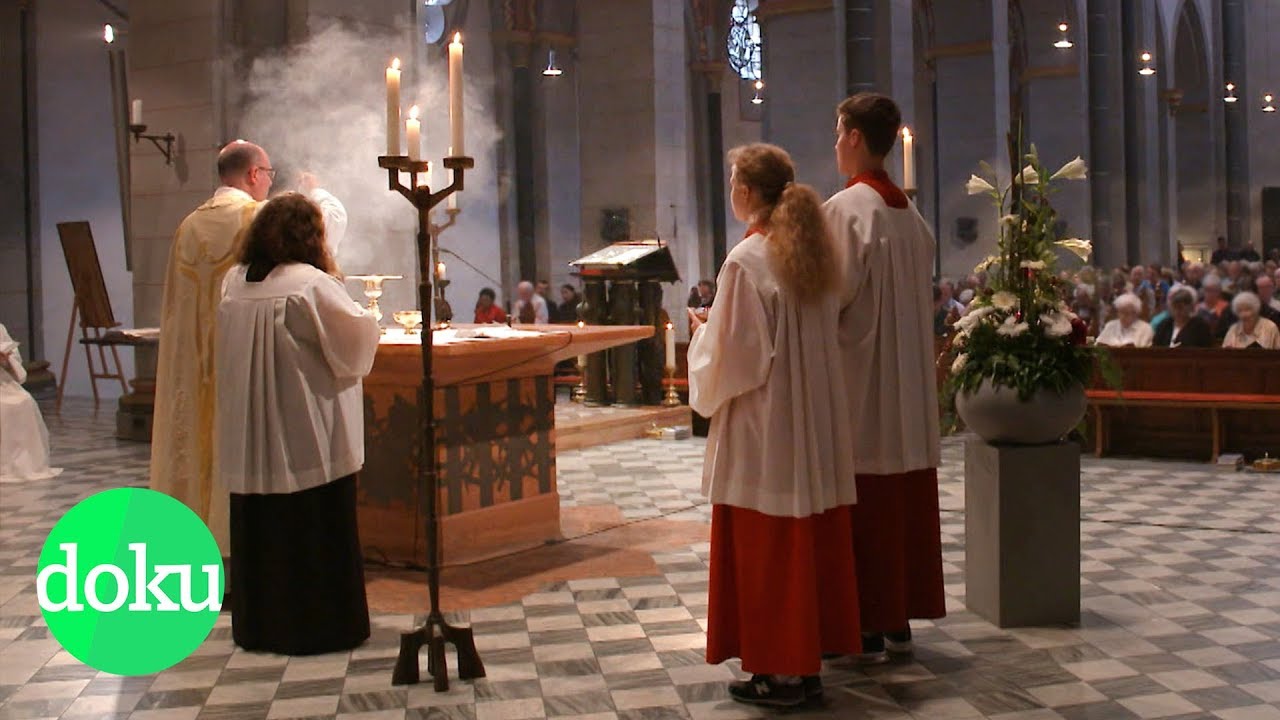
{"x": 435, "y": 632}
{"x": 139, "y": 133}
{"x": 672, "y": 397}
{"x": 444, "y": 311}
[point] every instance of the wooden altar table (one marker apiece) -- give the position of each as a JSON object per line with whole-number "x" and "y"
{"x": 495, "y": 440}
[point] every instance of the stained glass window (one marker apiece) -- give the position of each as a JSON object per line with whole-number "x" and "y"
{"x": 744, "y": 39}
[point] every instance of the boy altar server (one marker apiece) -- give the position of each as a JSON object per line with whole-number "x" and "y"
{"x": 887, "y": 252}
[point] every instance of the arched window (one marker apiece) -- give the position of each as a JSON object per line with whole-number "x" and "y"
{"x": 744, "y": 39}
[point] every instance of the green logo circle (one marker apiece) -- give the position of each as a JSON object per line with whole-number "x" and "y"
{"x": 130, "y": 581}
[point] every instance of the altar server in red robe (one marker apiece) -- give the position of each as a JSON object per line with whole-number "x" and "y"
{"x": 886, "y": 252}
{"x": 767, "y": 369}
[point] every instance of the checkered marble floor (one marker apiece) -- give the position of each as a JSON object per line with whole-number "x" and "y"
{"x": 1181, "y": 587}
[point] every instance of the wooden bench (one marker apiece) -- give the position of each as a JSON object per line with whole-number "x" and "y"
{"x": 1213, "y": 402}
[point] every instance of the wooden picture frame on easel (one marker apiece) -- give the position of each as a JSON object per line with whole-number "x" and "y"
{"x": 92, "y": 306}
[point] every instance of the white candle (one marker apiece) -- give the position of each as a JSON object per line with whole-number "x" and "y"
{"x": 671, "y": 347}
{"x": 582, "y": 359}
{"x": 135, "y": 113}
{"x": 393, "y": 107}
{"x": 440, "y": 274}
{"x": 412, "y": 132}
{"x": 908, "y": 160}
{"x": 455, "y": 94}
{"x": 453, "y": 197}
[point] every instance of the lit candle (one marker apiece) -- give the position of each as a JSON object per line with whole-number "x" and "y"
{"x": 440, "y": 271}
{"x": 135, "y": 112}
{"x": 453, "y": 196}
{"x": 671, "y": 347}
{"x": 393, "y": 107}
{"x": 455, "y": 94}
{"x": 908, "y": 160}
{"x": 412, "y": 131}
{"x": 582, "y": 359}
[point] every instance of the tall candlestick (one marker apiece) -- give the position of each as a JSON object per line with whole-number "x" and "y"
{"x": 582, "y": 359}
{"x": 455, "y": 94}
{"x": 908, "y": 160}
{"x": 393, "y": 107}
{"x": 412, "y": 131}
{"x": 453, "y": 197}
{"x": 135, "y": 113}
{"x": 671, "y": 346}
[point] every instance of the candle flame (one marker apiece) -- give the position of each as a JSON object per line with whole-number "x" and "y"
{"x": 581, "y": 324}
{"x": 670, "y": 326}
{"x": 413, "y": 113}
{"x": 395, "y": 63}
{"x": 906, "y": 133}
{"x": 108, "y": 33}
{"x": 457, "y": 38}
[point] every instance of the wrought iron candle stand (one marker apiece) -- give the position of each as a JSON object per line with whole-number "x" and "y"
{"x": 444, "y": 311}
{"x": 435, "y": 632}
{"x": 140, "y": 133}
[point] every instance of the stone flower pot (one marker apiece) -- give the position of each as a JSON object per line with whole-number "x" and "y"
{"x": 995, "y": 414}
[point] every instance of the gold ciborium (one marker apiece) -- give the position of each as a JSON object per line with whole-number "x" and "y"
{"x": 408, "y": 319}
{"x": 373, "y": 290}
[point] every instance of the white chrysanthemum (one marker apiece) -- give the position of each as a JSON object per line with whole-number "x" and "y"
{"x": 1056, "y": 324}
{"x": 977, "y": 186}
{"x": 1004, "y": 300}
{"x": 1033, "y": 264}
{"x": 1074, "y": 170}
{"x": 959, "y": 362}
{"x": 1012, "y": 328}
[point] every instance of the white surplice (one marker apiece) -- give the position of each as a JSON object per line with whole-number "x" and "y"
{"x": 24, "y": 439}
{"x": 886, "y": 331}
{"x": 291, "y": 352}
{"x": 1139, "y": 334}
{"x": 767, "y": 371}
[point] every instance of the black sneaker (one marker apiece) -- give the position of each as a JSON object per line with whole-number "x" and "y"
{"x": 873, "y": 651}
{"x": 763, "y": 690}
{"x": 899, "y": 643}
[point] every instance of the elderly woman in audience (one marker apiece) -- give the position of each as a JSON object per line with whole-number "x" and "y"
{"x": 1128, "y": 329}
{"x": 1183, "y": 328}
{"x": 1251, "y": 330}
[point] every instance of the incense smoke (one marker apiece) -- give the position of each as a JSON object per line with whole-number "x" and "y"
{"x": 321, "y": 107}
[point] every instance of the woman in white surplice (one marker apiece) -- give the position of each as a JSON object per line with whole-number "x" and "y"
{"x": 292, "y": 348}
{"x": 766, "y": 368}
{"x": 24, "y": 440}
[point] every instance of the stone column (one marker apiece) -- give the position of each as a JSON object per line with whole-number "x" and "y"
{"x": 802, "y": 60}
{"x": 1106, "y": 66}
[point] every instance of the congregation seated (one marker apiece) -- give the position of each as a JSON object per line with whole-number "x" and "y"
{"x": 1183, "y": 327}
{"x": 1252, "y": 329}
{"x": 1128, "y": 329}
{"x": 1215, "y": 308}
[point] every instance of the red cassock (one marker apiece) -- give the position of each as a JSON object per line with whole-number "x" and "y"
{"x": 771, "y": 577}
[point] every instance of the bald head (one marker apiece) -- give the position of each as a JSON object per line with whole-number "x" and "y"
{"x": 245, "y": 166}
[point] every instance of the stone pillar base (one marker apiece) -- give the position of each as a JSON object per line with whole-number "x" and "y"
{"x": 1022, "y": 533}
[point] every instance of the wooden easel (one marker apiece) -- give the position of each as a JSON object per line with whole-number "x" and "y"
{"x": 92, "y": 305}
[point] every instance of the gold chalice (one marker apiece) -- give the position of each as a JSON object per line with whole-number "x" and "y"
{"x": 408, "y": 319}
{"x": 373, "y": 291}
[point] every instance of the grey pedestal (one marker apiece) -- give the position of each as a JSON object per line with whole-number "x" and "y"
{"x": 1022, "y": 533}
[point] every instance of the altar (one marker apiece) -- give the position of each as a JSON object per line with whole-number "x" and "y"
{"x": 495, "y": 438}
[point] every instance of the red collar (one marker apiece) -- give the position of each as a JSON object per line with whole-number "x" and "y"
{"x": 753, "y": 230}
{"x": 880, "y": 182}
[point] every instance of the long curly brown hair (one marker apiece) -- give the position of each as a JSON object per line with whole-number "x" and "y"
{"x": 288, "y": 229}
{"x": 800, "y": 244}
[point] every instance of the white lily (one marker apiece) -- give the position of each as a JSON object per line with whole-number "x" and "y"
{"x": 1029, "y": 176}
{"x": 959, "y": 363}
{"x": 1009, "y": 220}
{"x": 1032, "y": 265}
{"x": 977, "y": 186}
{"x": 1073, "y": 170}
{"x": 1004, "y": 300}
{"x": 985, "y": 264}
{"x": 1082, "y": 248}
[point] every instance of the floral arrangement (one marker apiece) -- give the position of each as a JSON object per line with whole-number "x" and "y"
{"x": 1018, "y": 333}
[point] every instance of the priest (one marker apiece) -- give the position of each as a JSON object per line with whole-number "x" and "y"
{"x": 886, "y": 335}
{"x": 204, "y": 248}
